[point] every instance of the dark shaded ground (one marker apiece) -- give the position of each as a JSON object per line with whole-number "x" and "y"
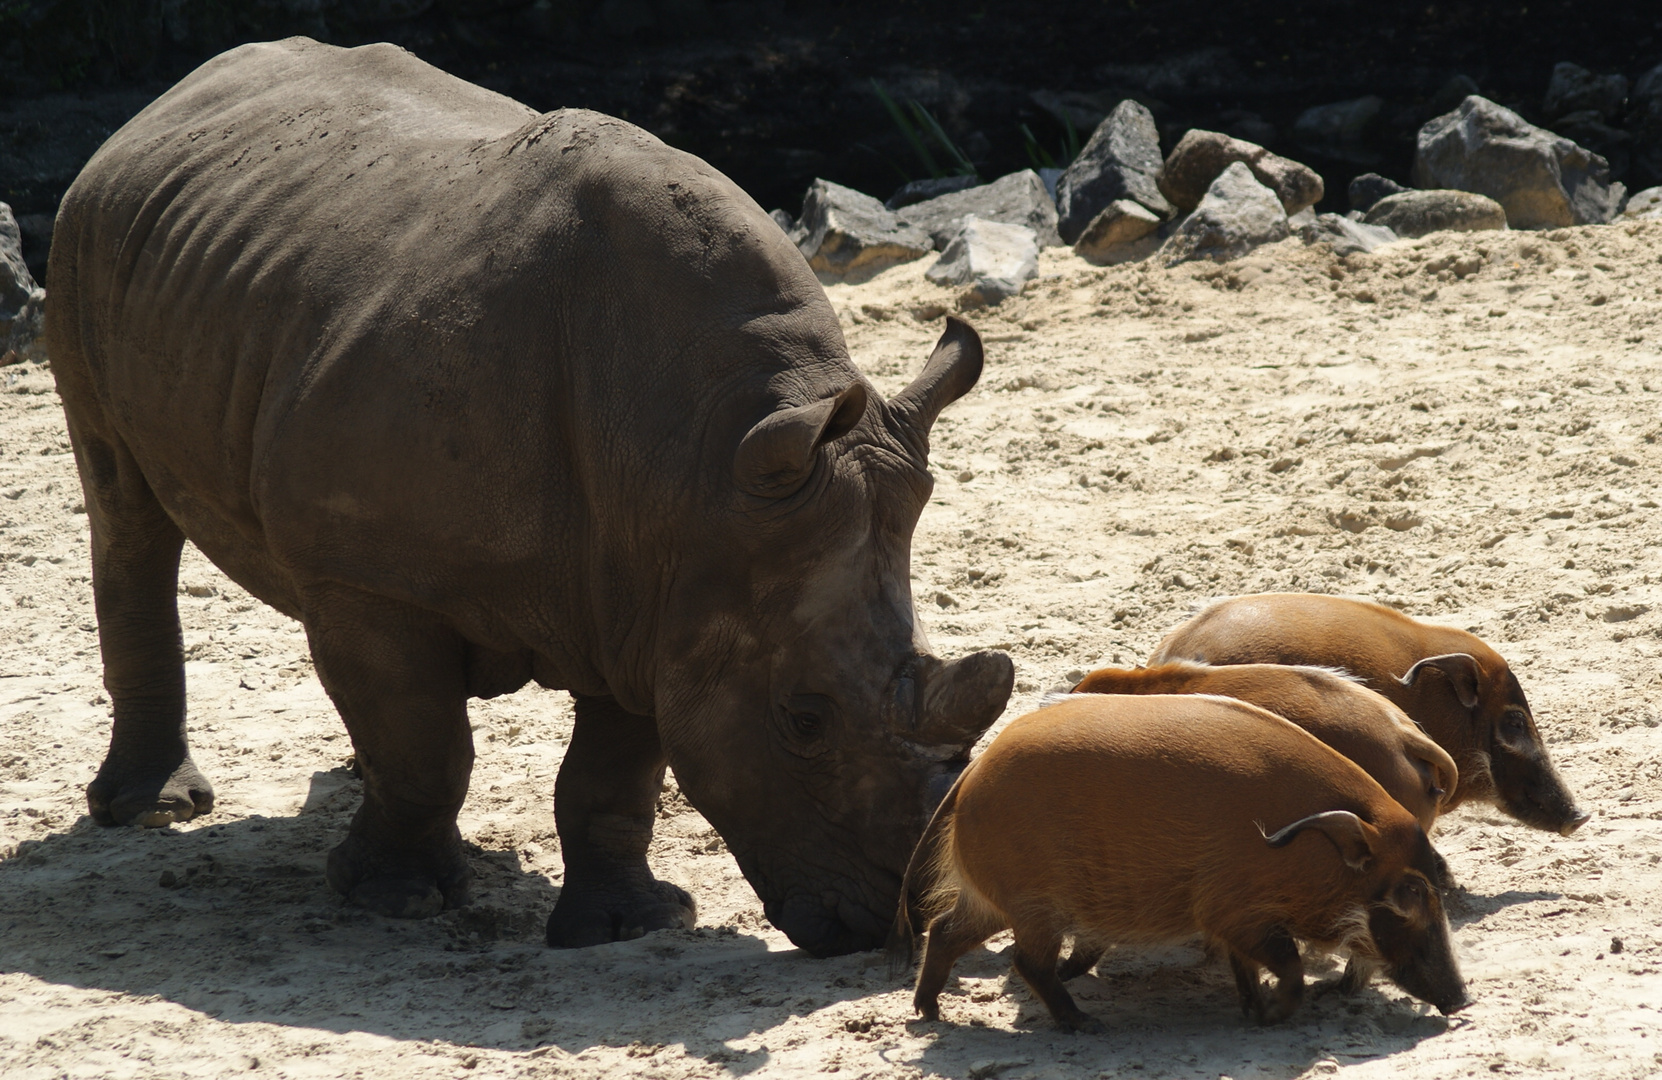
{"x": 775, "y": 94}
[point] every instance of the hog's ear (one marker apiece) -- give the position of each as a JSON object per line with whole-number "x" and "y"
{"x": 952, "y": 371}
{"x": 1349, "y": 833}
{"x": 1461, "y": 671}
{"x": 776, "y": 456}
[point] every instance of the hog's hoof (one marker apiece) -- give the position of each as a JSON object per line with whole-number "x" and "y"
{"x": 595, "y": 915}
{"x": 152, "y": 801}
{"x": 399, "y": 888}
{"x": 1082, "y": 1023}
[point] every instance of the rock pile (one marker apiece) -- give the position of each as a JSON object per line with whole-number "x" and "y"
{"x": 1216, "y": 196}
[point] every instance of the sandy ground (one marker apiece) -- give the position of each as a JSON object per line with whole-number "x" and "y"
{"x": 1465, "y": 427}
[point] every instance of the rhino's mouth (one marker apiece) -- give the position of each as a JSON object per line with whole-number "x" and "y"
{"x": 828, "y": 925}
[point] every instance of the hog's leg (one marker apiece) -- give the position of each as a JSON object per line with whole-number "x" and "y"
{"x": 397, "y": 674}
{"x": 1276, "y": 951}
{"x": 148, "y": 777}
{"x": 950, "y": 936}
{"x": 1035, "y": 960}
{"x": 1082, "y": 959}
{"x": 605, "y": 800}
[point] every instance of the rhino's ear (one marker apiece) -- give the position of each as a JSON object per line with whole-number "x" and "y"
{"x": 953, "y": 369}
{"x": 776, "y": 456}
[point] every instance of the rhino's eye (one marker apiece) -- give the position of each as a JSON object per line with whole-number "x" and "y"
{"x": 808, "y": 717}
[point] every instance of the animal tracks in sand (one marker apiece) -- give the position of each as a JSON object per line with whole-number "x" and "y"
{"x": 1465, "y": 426}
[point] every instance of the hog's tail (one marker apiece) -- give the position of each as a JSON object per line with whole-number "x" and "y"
{"x": 927, "y": 861}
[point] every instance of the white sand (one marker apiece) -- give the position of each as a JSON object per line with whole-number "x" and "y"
{"x": 1480, "y": 451}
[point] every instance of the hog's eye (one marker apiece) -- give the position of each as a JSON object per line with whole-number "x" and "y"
{"x": 1513, "y": 724}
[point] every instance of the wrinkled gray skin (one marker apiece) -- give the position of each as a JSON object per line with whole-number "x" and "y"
{"x": 480, "y": 397}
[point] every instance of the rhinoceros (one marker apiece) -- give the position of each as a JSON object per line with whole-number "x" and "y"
{"x": 483, "y": 396}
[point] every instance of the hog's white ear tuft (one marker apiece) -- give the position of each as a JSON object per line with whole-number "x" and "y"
{"x": 1459, "y": 668}
{"x": 776, "y": 456}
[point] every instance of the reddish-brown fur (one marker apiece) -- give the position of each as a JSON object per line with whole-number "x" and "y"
{"x": 1144, "y": 820}
{"x": 1357, "y": 722}
{"x": 1494, "y": 741}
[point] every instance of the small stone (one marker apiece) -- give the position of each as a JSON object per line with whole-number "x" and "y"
{"x": 1237, "y": 214}
{"x": 1369, "y": 188}
{"x": 1113, "y": 234}
{"x": 992, "y": 258}
{"x": 1016, "y": 199}
{"x": 842, "y": 231}
{"x": 1616, "y": 946}
{"x": 1573, "y": 88}
{"x": 168, "y": 880}
{"x": 1416, "y": 213}
{"x": 1542, "y": 180}
{"x": 1645, "y": 206}
{"x": 1200, "y": 157}
{"x": 1121, "y": 161}
{"x": 916, "y": 191}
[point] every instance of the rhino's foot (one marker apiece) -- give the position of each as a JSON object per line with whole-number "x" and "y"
{"x": 597, "y": 911}
{"x": 151, "y": 799}
{"x": 399, "y": 884}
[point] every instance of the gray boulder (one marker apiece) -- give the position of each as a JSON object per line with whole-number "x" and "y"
{"x": 1415, "y": 213}
{"x": 1644, "y": 206}
{"x": 1575, "y": 89}
{"x": 1017, "y": 199}
{"x": 1344, "y": 236}
{"x": 783, "y": 219}
{"x": 1113, "y": 235}
{"x": 1369, "y": 188}
{"x": 1236, "y": 215}
{"x": 1200, "y": 157}
{"x": 1587, "y": 129}
{"x": 843, "y": 231}
{"x": 1644, "y": 122}
{"x": 1340, "y": 122}
{"x": 22, "y": 302}
{"x": 1121, "y": 161}
{"x": 1544, "y": 181}
{"x": 916, "y": 191}
{"x": 993, "y": 258}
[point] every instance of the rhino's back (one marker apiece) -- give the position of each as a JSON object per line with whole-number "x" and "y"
{"x": 359, "y": 318}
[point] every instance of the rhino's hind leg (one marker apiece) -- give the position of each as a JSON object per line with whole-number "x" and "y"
{"x": 148, "y": 777}
{"x": 397, "y": 674}
{"x": 604, "y": 803}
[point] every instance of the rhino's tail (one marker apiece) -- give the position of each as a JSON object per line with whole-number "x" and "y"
{"x": 926, "y": 861}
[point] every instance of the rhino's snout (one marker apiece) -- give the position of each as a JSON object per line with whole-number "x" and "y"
{"x": 819, "y": 928}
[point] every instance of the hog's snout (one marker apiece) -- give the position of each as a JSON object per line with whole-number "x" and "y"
{"x": 1576, "y": 821}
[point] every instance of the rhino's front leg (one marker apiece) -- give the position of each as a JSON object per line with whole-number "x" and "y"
{"x": 604, "y": 803}
{"x": 397, "y": 674}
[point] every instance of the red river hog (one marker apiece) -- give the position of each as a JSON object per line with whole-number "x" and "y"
{"x": 1452, "y": 684}
{"x": 1149, "y": 820}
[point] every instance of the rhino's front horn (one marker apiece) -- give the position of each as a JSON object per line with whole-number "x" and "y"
{"x": 960, "y": 700}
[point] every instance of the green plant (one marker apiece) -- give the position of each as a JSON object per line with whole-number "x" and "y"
{"x": 1042, "y": 158}
{"x": 920, "y": 129}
